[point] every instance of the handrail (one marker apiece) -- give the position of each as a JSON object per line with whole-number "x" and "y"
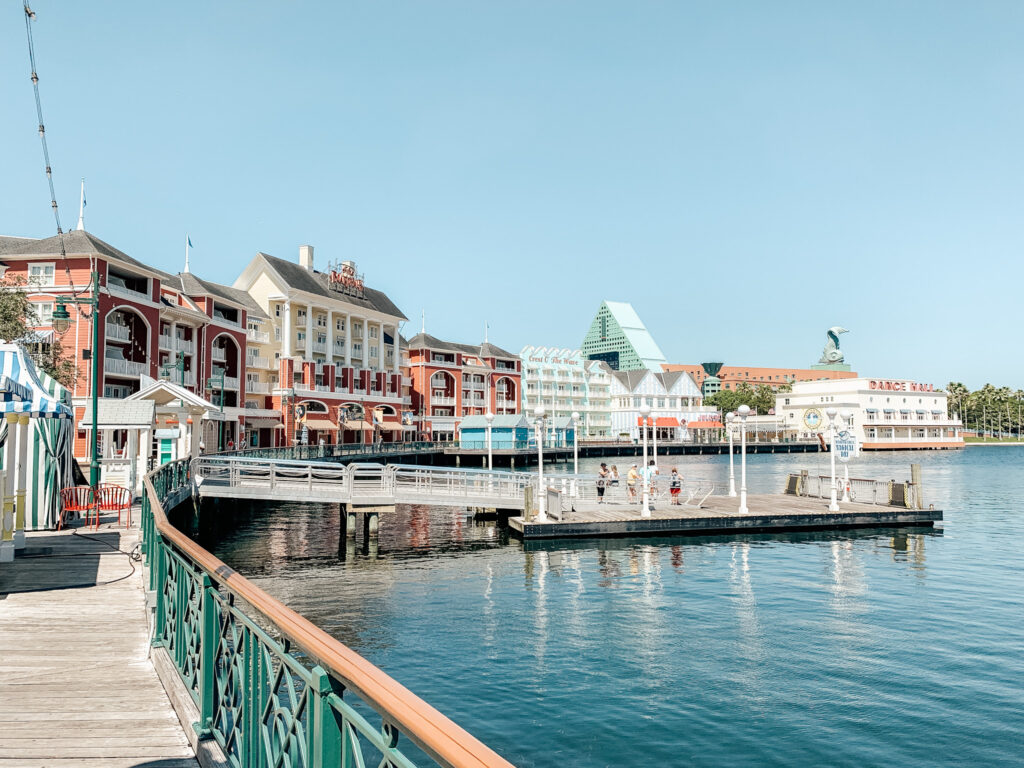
{"x": 431, "y": 731}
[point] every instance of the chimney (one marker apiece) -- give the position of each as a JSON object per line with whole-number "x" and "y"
{"x": 306, "y": 257}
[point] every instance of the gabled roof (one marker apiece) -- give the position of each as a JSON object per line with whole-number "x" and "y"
{"x": 115, "y": 412}
{"x": 77, "y": 242}
{"x": 302, "y": 279}
{"x": 629, "y": 379}
{"x": 503, "y": 421}
{"x": 163, "y": 392}
{"x": 194, "y": 286}
{"x": 426, "y": 341}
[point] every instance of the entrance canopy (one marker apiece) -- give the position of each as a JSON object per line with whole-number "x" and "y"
{"x": 22, "y": 389}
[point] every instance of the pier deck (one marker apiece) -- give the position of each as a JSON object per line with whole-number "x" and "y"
{"x": 718, "y": 514}
{"x": 76, "y": 684}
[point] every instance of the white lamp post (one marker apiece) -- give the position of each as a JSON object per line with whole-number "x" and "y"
{"x": 833, "y": 504}
{"x": 847, "y": 417}
{"x": 743, "y": 411}
{"x": 489, "y": 418}
{"x": 538, "y": 414}
{"x": 730, "y": 417}
{"x": 645, "y": 414}
{"x": 575, "y": 451}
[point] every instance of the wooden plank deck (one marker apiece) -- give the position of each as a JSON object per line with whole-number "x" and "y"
{"x": 718, "y": 514}
{"x": 76, "y": 684}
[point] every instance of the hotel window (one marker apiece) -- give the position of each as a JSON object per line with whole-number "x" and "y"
{"x": 374, "y": 331}
{"x": 300, "y": 314}
{"x": 373, "y": 350}
{"x": 277, "y": 310}
{"x": 339, "y": 324}
{"x": 300, "y": 335}
{"x": 321, "y": 320}
{"x": 41, "y": 274}
{"x": 357, "y": 349}
{"x": 43, "y": 312}
{"x": 277, "y": 333}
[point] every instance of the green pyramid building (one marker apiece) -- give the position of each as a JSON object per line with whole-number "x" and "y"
{"x": 618, "y": 338}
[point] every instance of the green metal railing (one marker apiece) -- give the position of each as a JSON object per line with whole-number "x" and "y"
{"x": 272, "y": 688}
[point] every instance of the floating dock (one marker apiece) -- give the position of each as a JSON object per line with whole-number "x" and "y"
{"x": 766, "y": 513}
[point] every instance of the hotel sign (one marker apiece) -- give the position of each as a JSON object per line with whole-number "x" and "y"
{"x": 343, "y": 279}
{"x": 899, "y": 386}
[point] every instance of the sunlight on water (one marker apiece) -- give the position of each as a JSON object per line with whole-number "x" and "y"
{"x": 872, "y": 647}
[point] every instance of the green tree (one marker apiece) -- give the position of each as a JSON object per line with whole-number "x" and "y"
{"x": 17, "y": 318}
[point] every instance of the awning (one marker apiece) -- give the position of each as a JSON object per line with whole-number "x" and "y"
{"x": 871, "y": 410}
{"x": 938, "y": 411}
{"x": 320, "y": 423}
{"x": 658, "y": 421}
{"x": 922, "y": 410}
{"x": 888, "y": 410}
{"x": 704, "y": 425}
{"x": 904, "y": 410}
{"x": 357, "y": 425}
{"x": 37, "y": 337}
{"x": 262, "y": 423}
{"x": 389, "y": 426}
{"x": 12, "y": 390}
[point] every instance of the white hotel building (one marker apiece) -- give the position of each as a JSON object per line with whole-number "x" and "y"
{"x": 888, "y": 414}
{"x": 563, "y": 381}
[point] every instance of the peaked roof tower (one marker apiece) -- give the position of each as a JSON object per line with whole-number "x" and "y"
{"x": 619, "y": 338}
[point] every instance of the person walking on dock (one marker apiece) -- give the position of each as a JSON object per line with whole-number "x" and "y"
{"x": 614, "y": 480}
{"x": 650, "y": 473}
{"x": 631, "y": 479}
{"x": 675, "y": 485}
{"x": 602, "y": 480}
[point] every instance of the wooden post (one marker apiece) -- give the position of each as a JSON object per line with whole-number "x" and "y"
{"x": 371, "y": 524}
{"x": 350, "y": 523}
{"x": 915, "y": 478}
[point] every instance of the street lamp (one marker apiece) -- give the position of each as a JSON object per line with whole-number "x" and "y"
{"x": 833, "y": 504}
{"x": 61, "y": 323}
{"x": 743, "y": 411}
{"x": 730, "y": 417}
{"x": 575, "y": 452}
{"x": 538, "y": 414}
{"x": 489, "y": 418}
{"x": 645, "y": 414}
{"x": 847, "y": 417}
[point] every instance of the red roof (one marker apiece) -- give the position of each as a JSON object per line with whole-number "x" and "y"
{"x": 660, "y": 421}
{"x": 705, "y": 425}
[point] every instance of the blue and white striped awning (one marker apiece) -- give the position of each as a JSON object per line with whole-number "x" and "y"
{"x": 22, "y": 390}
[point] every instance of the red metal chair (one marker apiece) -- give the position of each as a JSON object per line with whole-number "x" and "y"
{"x": 114, "y": 498}
{"x": 81, "y": 499}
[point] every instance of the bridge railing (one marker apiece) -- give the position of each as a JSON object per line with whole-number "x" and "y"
{"x": 271, "y": 687}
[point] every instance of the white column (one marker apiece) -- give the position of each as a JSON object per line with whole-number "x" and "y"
{"x": 394, "y": 364}
{"x": 286, "y": 330}
{"x": 309, "y": 332}
{"x": 24, "y": 435}
{"x": 330, "y": 335}
{"x": 132, "y": 455}
{"x": 380, "y": 347}
{"x": 348, "y": 340}
{"x": 7, "y": 515}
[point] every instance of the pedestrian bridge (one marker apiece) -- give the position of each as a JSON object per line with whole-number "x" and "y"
{"x": 358, "y": 484}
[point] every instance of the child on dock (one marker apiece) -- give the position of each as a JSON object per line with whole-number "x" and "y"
{"x": 631, "y": 479}
{"x": 675, "y": 485}
{"x": 602, "y": 480}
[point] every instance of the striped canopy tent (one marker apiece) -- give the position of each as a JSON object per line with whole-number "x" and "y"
{"x": 27, "y": 390}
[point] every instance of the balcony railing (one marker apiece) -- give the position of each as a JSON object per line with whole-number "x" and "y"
{"x": 442, "y": 400}
{"x": 219, "y": 354}
{"x": 184, "y": 345}
{"x": 166, "y": 342}
{"x": 321, "y": 388}
{"x": 261, "y": 337}
{"x": 255, "y": 361}
{"x": 320, "y": 346}
{"x": 126, "y": 367}
{"x": 119, "y": 332}
{"x": 256, "y": 387}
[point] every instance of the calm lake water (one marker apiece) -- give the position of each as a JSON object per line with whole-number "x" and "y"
{"x": 869, "y": 648}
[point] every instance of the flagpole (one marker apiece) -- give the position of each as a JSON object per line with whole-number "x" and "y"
{"x": 187, "y": 243}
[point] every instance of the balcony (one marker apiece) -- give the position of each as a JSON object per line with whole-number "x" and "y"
{"x": 166, "y": 342}
{"x": 257, "y": 387}
{"x": 230, "y": 382}
{"x": 321, "y": 388}
{"x": 320, "y": 346}
{"x": 261, "y": 337}
{"x": 443, "y": 401}
{"x": 300, "y": 342}
{"x": 119, "y": 332}
{"x": 184, "y": 345}
{"x": 113, "y": 365}
{"x": 255, "y": 361}
{"x": 219, "y": 354}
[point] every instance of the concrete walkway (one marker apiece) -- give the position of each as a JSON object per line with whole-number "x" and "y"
{"x": 76, "y": 684}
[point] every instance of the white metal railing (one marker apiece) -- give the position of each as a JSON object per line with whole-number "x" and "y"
{"x": 184, "y": 345}
{"x": 230, "y": 382}
{"x": 166, "y": 342}
{"x": 321, "y": 388}
{"x": 119, "y": 332}
{"x": 320, "y": 346}
{"x": 300, "y": 342}
{"x": 256, "y": 361}
{"x": 261, "y": 337}
{"x": 257, "y": 387}
{"x": 219, "y": 354}
{"x": 127, "y": 367}
{"x": 442, "y": 400}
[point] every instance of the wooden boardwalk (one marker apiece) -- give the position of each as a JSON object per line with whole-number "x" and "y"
{"x": 76, "y": 684}
{"x": 718, "y": 514}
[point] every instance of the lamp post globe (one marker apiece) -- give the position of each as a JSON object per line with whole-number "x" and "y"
{"x": 538, "y": 413}
{"x": 833, "y": 502}
{"x": 61, "y": 317}
{"x": 730, "y": 417}
{"x": 743, "y": 412}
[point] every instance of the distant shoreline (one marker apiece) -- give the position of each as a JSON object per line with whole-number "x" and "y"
{"x": 995, "y": 442}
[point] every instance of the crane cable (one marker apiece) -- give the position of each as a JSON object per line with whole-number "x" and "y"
{"x": 30, "y": 16}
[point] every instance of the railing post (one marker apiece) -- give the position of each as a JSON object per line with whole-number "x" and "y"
{"x": 208, "y": 642}
{"x": 156, "y": 583}
{"x": 325, "y": 735}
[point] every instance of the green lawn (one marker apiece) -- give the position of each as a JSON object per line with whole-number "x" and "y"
{"x": 992, "y": 440}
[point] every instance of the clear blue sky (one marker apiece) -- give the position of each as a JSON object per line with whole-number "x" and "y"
{"x": 747, "y": 174}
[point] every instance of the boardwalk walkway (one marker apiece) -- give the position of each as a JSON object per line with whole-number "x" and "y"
{"x": 76, "y": 684}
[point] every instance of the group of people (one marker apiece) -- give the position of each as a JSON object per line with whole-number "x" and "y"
{"x": 608, "y": 477}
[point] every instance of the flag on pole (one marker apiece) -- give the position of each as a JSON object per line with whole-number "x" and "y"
{"x": 189, "y": 239}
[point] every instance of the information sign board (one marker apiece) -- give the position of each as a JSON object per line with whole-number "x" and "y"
{"x": 846, "y": 446}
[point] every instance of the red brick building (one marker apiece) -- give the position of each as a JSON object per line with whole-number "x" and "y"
{"x": 451, "y": 380}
